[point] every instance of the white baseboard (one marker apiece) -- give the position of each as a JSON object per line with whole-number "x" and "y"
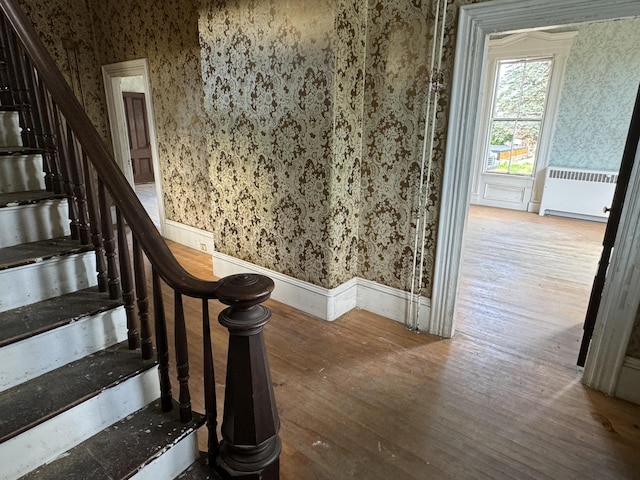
{"x": 327, "y": 304}
{"x": 628, "y": 387}
{"x": 188, "y": 236}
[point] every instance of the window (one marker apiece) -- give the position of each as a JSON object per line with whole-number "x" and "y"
{"x": 519, "y": 100}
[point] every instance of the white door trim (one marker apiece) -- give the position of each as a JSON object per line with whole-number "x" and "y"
{"x": 476, "y": 22}
{"x": 111, "y": 75}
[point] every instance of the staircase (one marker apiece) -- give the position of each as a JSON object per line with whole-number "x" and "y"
{"x": 74, "y": 398}
{"x": 84, "y": 393}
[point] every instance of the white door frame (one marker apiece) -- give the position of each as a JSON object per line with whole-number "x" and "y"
{"x": 476, "y": 22}
{"x": 111, "y": 75}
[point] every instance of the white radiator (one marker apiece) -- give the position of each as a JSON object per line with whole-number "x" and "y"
{"x": 577, "y": 193}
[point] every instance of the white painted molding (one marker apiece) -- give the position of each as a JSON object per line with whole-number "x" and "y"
{"x": 629, "y": 382}
{"x": 189, "y": 236}
{"x": 327, "y": 304}
{"x": 475, "y": 23}
{"x": 111, "y": 75}
{"x": 620, "y": 296}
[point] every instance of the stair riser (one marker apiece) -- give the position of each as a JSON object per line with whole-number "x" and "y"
{"x": 9, "y": 130}
{"x": 20, "y": 173}
{"x": 30, "y": 223}
{"x": 26, "y": 359}
{"x": 35, "y": 282}
{"x": 172, "y": 460}
{"x": 52, "y": 438}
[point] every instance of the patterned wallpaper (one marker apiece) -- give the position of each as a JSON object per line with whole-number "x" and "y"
{"x": 599, "y": 90}
{"x": 283, "y": 96}
{"x": 633, "y": 350}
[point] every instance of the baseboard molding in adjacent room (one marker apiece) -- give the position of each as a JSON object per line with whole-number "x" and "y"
{"x": 629, "y": 381}
{"x": 327, "y": 304}
{"x": 189, "y": 236}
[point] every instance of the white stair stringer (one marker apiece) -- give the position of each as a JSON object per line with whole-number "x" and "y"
{"x": 21, "y": 173}
{"x": 45, "y": 279}
{"x": 46, "y": 441}
{"x": 24, "y": 360}
{"x": 33, "y": 222}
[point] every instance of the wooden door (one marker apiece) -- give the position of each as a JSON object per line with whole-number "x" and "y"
{"x": 615, "y": 212}
{"x": 138, "y": 127}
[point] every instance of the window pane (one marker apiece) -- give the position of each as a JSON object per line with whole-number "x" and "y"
{"x": 525, "y": 146}
{"x": 534, "y": 88}
{"x": 508, "y": 89}
{"x": 499, "y": 155}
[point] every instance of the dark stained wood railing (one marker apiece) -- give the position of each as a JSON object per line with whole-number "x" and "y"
{"x": 76, "y": 162}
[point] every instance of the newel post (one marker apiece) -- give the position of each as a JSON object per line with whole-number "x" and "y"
{"x": 250, "y": 447}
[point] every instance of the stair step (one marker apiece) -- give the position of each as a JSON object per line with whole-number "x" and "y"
{"x": 46, "y": 416}
{"x": 199, "y": 470}
{"x": 34, "y": 339}
{"x": 21, "y": 171}
{"x": 32, "y": 216}
{"x": 49, "y": 267}
{"x": 139, "y": 446}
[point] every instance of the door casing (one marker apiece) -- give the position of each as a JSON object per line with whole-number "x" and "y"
{"x": 475, "y": 23}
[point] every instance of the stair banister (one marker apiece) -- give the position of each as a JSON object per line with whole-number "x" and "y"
{"x": 250, "y": 446}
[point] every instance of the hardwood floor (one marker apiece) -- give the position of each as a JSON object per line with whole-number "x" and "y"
{"x": 364, "y": 398}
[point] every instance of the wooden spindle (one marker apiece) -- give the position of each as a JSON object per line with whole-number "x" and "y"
{"x": 95, "y": 225}
{"x": 210, "y": 402}
{"x": 53, "y": 171}
{"x": 109, "y": 242}
{"x": 79, "y": 189}
{"x": 128, "y": 294}
{"x": 143, "y": 300}
{"x": 162, "y": 343}
{"x": 250, "y": 446}
{"x": 182, "y": 360}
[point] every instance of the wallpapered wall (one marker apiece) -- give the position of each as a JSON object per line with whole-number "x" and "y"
{"x": 166, "y": 34}
{"x": 283, "y": 96}
{"x": 599, "y": 90}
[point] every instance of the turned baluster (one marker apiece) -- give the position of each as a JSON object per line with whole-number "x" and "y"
{"x": 109, "y": 242}
{"x": 182, "y": 359}
{"x": 79, "y": 189}
{"x": 126, "y": 279}
{"x": 210, "y": 401}
{"x": 162, "y": 343}
{"x": 143, "y": 300}
{"x": 94, "y": 222}
{"x": 250, "y": 447}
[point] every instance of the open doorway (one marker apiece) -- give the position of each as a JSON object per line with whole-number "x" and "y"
{"x": 476, "y": 22}
{"x": 130, "y": 109}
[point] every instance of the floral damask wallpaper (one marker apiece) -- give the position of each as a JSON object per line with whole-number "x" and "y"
{"x": 633, "y": 350}
{"x": 283, "y": 96}
{"x": 598, "y": 94}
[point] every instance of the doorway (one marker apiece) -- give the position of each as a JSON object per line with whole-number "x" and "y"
{"x": 476, "y": 22}
{"x": 130, "y": 109}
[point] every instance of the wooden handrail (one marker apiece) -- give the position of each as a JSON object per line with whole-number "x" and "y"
{"x": 102, "y": 160}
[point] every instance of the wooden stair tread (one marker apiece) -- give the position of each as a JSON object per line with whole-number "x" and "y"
{"x": 120, "y": 450}
{"x": 199, "y": 470}
{"x": 34, "y": 252}
{"x": 19, "y": 150}
{"x": 29, "y": 197}
{"x": 30, "y": 320}
{"x": 37, "y": 400}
